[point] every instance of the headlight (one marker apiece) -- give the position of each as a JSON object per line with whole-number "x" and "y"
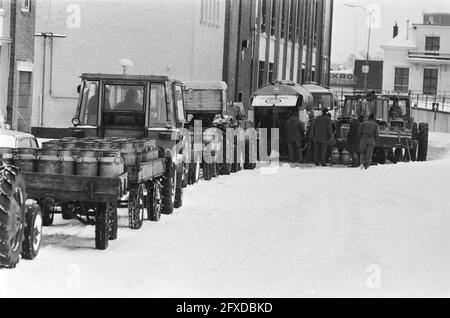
{"x": 76, "y": 121}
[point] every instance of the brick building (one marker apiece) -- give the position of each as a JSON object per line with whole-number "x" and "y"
{"x": 17, "y": 25}
{"x": 268, "y": 40}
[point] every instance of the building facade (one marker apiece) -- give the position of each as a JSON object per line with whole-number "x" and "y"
{"x": 268, "y": 40}
{"x": 17, "y": 23}
{"x": 417, "y": 60}
{"x": 179, "y": 38}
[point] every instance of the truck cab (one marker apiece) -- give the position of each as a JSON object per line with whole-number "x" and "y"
{"x": 138, "y": 106}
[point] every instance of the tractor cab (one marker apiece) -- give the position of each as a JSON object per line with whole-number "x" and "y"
{"x": 121, "y": 105}
{"x": 323, "y": 97}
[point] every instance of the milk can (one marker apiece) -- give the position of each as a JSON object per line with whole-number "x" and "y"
{"x": 25, "y": 159}
{"x": 49, "y": 161}
{"x": 7, "y": 155}
{"x": 345, "y": 157}
{"x": 111, "y": 164}
{"x": 68, "y": 157}
{"x": 127, "y": 152}
{"x": 335, "y": 156}
{"x": 87, "y": 163}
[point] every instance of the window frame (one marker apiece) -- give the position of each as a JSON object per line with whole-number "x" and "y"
{"x": 432, "y": 47}
{"x": 401, "y": 87}
{"x": 428, "y": 80}
{"x": 149, "y": 121}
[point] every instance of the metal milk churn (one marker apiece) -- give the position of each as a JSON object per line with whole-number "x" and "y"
{"x": 111, "y": 164}
{"x": 87, "y": 163}
{"x": 345, "y": 157}
{"x": 25, "y": 159}
{"x": 335, "y": 156}
{"x": 49, "y": 161}
{"x": 128, "y": 153}
{"x": 7, "y": 155}
{"x": 67, "y": 161}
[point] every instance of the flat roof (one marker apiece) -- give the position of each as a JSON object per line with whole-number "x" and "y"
{"x": 130, "y": 77}
{"x": 206, "y": 85}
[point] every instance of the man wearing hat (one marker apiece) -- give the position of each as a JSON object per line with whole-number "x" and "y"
{"x": 322, "y": 133}
{"x": 295, "y": 132}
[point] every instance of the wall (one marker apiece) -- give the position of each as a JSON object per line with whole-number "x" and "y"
{"x": 158, "y": 36}
{"x": 442, "y": 123}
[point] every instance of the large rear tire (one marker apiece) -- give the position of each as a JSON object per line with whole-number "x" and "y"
{"x": 136, "y": 205}
{"x": 423, "y": 142}
{"x": 33, "y": 230}
{"x": 207, "y": 171}
{"x": 168, "y": 190}
{"x": 178, "y": 203}
{"x": 12, "y": 215}
{"x": 113, "y": 222}
{"x": 154, "y": 198}
{"x": 101, "y": 226}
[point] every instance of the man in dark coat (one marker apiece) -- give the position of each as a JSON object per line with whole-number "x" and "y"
{"x": 310, "y": 139}
{"x": 369, "y": 138}
{"x": 295, "y": 132}
{"x": 353, "y": 140}
{"x": 322, "y": 134}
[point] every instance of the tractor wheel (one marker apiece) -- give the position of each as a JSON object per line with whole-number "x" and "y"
{"x": 154, "y": 195}
{"x": 48, "y": 215}
{"x": 101, "y": 226}
{"x": 185, "y": 175}
{"x": 423, "y": 142}
{"x": 33, "y": 230}
{"x": 112, "y": 227}
{"x": 194, "y": 172}
{"x": 398, "y": 155}
{"x": 136, "y": 207}
{"x": 168, "y": 190}
{"x": 413, "y": 149}
{"x": 179, "y": 189}
{"x": 226, "y": 169}
{"x": 12, "y": 215}
{"x": 207, "y": 171}
{"x": 215, "y": 170}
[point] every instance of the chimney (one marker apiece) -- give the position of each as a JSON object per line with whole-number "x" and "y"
{"x": 395, "y": 30}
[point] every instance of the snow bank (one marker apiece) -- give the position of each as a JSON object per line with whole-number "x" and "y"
{"x": 301, "y": 232}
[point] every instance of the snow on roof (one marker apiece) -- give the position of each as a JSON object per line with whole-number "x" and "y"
{"x": 400, "y": 41}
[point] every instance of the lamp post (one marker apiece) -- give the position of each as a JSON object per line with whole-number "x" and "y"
{"x": 366, "y": 68}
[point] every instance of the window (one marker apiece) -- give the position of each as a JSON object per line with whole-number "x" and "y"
{"x": 273, "y": 22}
{"x": 124, "y": 98}
{"x": 178, "y": 97}
{"x": 283, "y": 18}
{"x": 432, "y": 43}
{"x": 158, "y": 110}
{"x": 210, "y": 12}
{"x": 271, "y": 72}
{"x": 264, "y": 16}
{"x": 401, "y": 79}
{"x": 26, "y": 5}
{"x": 430, "y": 78}
{"x": 261, "y": 73}
{"x": 291, "y": 20}
{"x": 88, "y": 110}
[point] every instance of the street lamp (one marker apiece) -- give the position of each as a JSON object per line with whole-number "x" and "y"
{"x": 366, "y": 69}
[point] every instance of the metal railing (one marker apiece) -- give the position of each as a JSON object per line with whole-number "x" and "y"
{"x": 429, "y": 55}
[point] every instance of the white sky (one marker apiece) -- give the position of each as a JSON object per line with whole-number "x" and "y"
{"x": 350, "y": 30}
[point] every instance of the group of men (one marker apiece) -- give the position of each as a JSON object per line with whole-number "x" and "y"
{"x": 317, "y": 140}
{"x": 315, "y": 144}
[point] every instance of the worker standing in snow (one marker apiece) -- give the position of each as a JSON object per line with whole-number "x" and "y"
{"x": 354, "y": 139}
{"x": 295, "y": 133}
{"x": 310, "y": 139}
{"x": 369, "y": 138}
{"x": 322, "y": 134}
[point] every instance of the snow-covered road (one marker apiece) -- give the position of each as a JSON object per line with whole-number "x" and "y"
{"x": 300, "y": 232}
